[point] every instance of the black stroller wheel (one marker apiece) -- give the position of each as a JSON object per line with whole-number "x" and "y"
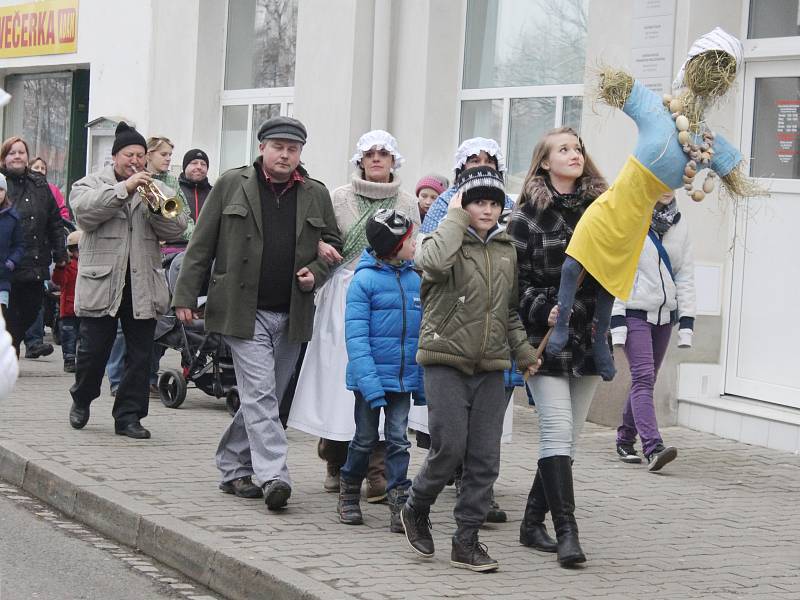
{"x": 172, "y": 388}
{"x": 232, "y": 401}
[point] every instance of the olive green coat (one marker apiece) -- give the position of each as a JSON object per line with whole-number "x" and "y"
{"x": 469, "y": 298}
{"x": 229, "y": 232}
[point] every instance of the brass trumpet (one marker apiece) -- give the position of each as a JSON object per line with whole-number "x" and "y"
{"x": 157, "y": 201}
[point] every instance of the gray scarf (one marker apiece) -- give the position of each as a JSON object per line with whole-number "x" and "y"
{"x": 665, "y": 217}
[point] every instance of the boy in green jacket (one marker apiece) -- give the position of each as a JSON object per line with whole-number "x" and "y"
{"x": 470, "y": 326}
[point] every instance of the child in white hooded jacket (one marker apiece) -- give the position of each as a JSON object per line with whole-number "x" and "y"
{"x": 663, "y": 295}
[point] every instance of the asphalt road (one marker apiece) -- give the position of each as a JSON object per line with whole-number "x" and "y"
{"x": 44, "y": 556}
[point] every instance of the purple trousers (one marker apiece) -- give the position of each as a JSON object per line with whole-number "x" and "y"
{"x": 645, "y": 347}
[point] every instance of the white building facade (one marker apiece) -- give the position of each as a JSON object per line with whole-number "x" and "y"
{"x": 205, "y": 73}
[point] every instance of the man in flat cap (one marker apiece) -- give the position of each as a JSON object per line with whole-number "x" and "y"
{"x": 119, "y": 279}
{"x": 261, "y": 225}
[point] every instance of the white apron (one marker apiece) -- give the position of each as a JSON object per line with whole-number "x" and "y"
{"x": 322, "y": 405}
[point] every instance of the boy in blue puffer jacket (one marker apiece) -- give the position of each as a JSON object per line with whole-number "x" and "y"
{"x": 382, "y": 322}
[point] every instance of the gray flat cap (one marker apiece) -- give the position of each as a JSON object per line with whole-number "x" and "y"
{"x": 283, "y": 128}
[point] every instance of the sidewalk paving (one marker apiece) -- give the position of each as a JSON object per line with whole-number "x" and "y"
{"x": 721, "y": 522}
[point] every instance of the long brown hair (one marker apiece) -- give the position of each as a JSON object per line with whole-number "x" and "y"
{"x": 6, "y": 148}
{"x": 537, "y": 173}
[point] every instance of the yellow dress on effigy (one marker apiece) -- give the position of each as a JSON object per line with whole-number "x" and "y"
{"x": 610, "y": 235}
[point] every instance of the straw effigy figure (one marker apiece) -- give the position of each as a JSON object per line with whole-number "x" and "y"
{"x": 675, "y": 143}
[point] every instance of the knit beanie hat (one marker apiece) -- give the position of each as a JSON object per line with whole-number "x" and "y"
{"x": 386, "y": 231}
{"x": 481, "y": 183}
{"x": 125, "y": 135}
{"x": 3, "y": 182}
{"x": 429, "y": 181}
{"x": 194, "y": 154}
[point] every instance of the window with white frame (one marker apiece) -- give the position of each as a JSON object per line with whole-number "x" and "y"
{"x": 259, "y": 73}
{"x": 775, "y": 149}
{"x": 523, "y": 74}
{"x": 773, "y": 19}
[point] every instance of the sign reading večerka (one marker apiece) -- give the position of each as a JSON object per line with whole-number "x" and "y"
{"x": 47, "y": 27}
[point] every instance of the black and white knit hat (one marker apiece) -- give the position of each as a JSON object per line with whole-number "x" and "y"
{"x": 481, "y": 183}
{"x": 386, "y": 231}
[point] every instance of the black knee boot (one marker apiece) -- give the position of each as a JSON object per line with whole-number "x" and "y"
{"x": 532, "y": 531}
{"x": 557, "y": 478}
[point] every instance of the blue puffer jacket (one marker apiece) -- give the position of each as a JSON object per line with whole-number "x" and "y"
{"x": 382, "y": 329}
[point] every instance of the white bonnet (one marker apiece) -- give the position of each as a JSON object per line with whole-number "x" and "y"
{"x": 717, "y": 39}
{"x": 474, "y": 146}
{"x": 377, "y": 138}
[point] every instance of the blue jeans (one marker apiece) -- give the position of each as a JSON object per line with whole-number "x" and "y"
{"x": 366, "y": 438}
{"x": 116, "y": 361}
{"x": 34, "y": 336}
{"x": 69, "y": 336}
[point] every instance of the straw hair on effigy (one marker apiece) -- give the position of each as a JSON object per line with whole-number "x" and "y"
{"x": 614, "y": 86}
{"x": 710, "y": 74}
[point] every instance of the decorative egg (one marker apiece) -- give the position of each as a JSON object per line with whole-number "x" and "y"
{"x": 682, "y": 123}
{"x": 675, "y": 105}
{"x": 687, "y": 179}
{"x": 692, "y": 164}
{"x": 687, "y": 187}
{"x": 708, "y": 185}
{"x": 684, "y": 138}
{"x": 690, "y": 172}
{"x": 705, "y": 157}
{"x": 698, "y": 195}
{"x": 666, "y": 99}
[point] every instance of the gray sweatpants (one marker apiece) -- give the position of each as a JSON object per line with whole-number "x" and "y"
{"x": 465, "y": 419}
{"x": 255, "y": 442}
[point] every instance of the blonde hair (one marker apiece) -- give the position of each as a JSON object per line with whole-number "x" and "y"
{"x": 536, "y": 171}
{"x": 153, "y": 143}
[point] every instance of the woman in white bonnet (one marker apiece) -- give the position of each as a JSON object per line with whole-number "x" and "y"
{"x": 322, "y": 405}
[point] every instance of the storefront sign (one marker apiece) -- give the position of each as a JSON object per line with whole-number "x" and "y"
{"x": 47, "y": 27}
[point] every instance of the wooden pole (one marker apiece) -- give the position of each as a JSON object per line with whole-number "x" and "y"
{"x": 543, "y": 343}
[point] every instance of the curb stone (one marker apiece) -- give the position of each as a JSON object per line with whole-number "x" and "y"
{"x": 177, "y": 544}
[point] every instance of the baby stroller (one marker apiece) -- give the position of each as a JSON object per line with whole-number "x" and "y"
{"x": 206, "y": 360}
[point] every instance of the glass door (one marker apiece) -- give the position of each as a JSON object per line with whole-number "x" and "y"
{"x": 763, "y": 328}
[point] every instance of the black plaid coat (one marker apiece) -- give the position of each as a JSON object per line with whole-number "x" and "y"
{"x": 541, "y": 230}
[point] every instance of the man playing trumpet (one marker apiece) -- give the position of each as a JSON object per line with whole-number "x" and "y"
{"x": 119, "y": 278}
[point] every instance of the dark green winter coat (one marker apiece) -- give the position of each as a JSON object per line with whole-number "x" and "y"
{"x": 229, "y": 232}
{"x": 469, "y": 298}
